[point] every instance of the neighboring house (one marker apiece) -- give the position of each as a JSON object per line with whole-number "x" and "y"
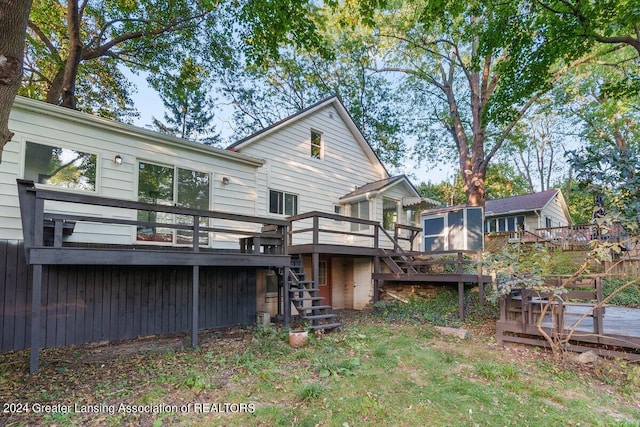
{"x": 528, "y": 212}
{"x": 313, "y": 172}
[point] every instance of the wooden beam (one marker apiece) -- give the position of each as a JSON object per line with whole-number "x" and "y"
{"x": 104, "y": 256}
{"x": 36, "y": 309}
{"x": 194, "y": 306}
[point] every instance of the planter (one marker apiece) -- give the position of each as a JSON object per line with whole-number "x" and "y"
{"x": 298, "y": 338}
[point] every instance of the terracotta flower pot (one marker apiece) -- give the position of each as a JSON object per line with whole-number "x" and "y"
{"x": 298, "y": 338}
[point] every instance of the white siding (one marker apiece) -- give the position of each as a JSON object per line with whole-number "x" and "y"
{"x": 318, "y": 183}
{"x": 117, "y": 181}
{"x": 554, "y": 211}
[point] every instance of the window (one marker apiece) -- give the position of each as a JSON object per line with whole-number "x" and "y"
{"x": 434, "y": 234}
{"x": 547, "y": 222}
{"x": 413, "y": 216}
{"x": 60, "y": 167}
{"x": 323, "y": 273}
{"x": 511, "y": 223}
{"x": 316, "y": 144}
{"x": 389, "y": 213}
{"x": 271, "y": 282}
{"x": 359, "y": 210}
{"x": 168, "y": 185}
{"x": 282, "y": 203}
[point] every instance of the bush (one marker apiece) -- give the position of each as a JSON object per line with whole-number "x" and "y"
{"x": 441, "y": 309}
{"x": 628, "y": 297}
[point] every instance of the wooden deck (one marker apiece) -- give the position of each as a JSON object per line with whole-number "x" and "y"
{"x": 582, "y": 321}
{"x": 178, "y": 240}
{"x": 393, "y": 254}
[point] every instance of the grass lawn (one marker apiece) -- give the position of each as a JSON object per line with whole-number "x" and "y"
{"x": 375, "y": 372}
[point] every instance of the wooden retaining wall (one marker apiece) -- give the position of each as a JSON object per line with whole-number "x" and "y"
{"x": 84, "y": 304}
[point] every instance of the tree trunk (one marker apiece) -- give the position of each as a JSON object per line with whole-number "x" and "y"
{"x": 14, "y": 15}
{"x": 75, "y": 55}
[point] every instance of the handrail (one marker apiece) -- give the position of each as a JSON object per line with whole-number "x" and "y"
{"x": 316, "y": 230}
{"x": 34, "y": 215}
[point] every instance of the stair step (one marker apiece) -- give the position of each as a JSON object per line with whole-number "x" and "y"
{"x": 304, "y": 282}
{"x": 326, "y": 326}
{"x": 307, "y": 298}
{"x": 310, "y": 290}
{"x": 315, "y": 307}
{"x": 319, "y": 316}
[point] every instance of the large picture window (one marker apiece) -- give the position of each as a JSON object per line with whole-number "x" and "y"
{"x": 282, "y": 203}
{"x": 60, "y": 167}
{"x": 168, "y": 185}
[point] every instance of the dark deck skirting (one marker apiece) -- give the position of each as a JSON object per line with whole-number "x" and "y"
{"x": 99, "y": 256}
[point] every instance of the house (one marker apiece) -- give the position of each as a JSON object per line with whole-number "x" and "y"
{"x": 120, "y": 231}
{"x": 528, "y": 212}
{"x": 318, "y": 161}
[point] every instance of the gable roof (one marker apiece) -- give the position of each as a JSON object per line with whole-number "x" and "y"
{"x": 336, "y": 102}
{"x": 373, "y": 188}
{"x": 517, "y": 204}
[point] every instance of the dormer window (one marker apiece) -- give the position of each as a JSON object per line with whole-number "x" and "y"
{"x": 316, "y": 144}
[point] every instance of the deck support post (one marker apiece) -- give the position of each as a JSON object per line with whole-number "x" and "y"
{"x": 315, "y": 274}
{"x": 461, "y": 300}
{"x": 376, "y": 282}
{"x": 36, "y": 309}
{"x": 194, "y": 306}
{"x": 287, "y": 301}
{"x": 480, "y": 278}
{"x": 460, "y": 286}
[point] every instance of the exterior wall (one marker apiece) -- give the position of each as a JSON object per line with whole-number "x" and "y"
{"x": 318, "y": 183}
{"x": 531, "y": 221}
{"x": 70, "y": 129}
{"x": 554, "y": 211}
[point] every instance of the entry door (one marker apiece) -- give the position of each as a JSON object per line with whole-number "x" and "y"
{"x": 324, "y": 280}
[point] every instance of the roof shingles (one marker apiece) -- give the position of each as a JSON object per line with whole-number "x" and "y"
{"x": 523, "y": 203}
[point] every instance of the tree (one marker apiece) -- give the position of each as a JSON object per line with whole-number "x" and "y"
{"x": 453, "y": 55}
{"x": 13, "y": 22}
{"x": 300, "y": 77}
{"x": 77, "y": 48}
{"x": 536, "y": 149}
{"x": 190, "y": 106}
{"x": 502, "y": 181}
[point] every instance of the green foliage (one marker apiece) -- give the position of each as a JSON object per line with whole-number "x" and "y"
{"x": 519, "y": 266}
{"x": 441, "y": 309}
{"x": 502, "y": 180}
{"x": 311, "y": 391}
{"x": 610, "y": 172}
{"x": 331, "y": 366}
{"x": 149, "y": 36}
{"x": 185, "y": 95}
{"x": 628, "y": 297}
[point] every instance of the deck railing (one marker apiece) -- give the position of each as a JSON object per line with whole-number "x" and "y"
{"x": 321, "y": 228}
{"x": 245, "y": 231}
{"x": 571, "y": 236}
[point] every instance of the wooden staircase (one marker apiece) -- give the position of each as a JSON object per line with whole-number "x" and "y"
{"x": 304, "y": 295}
{"x": 405, "y": 263}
